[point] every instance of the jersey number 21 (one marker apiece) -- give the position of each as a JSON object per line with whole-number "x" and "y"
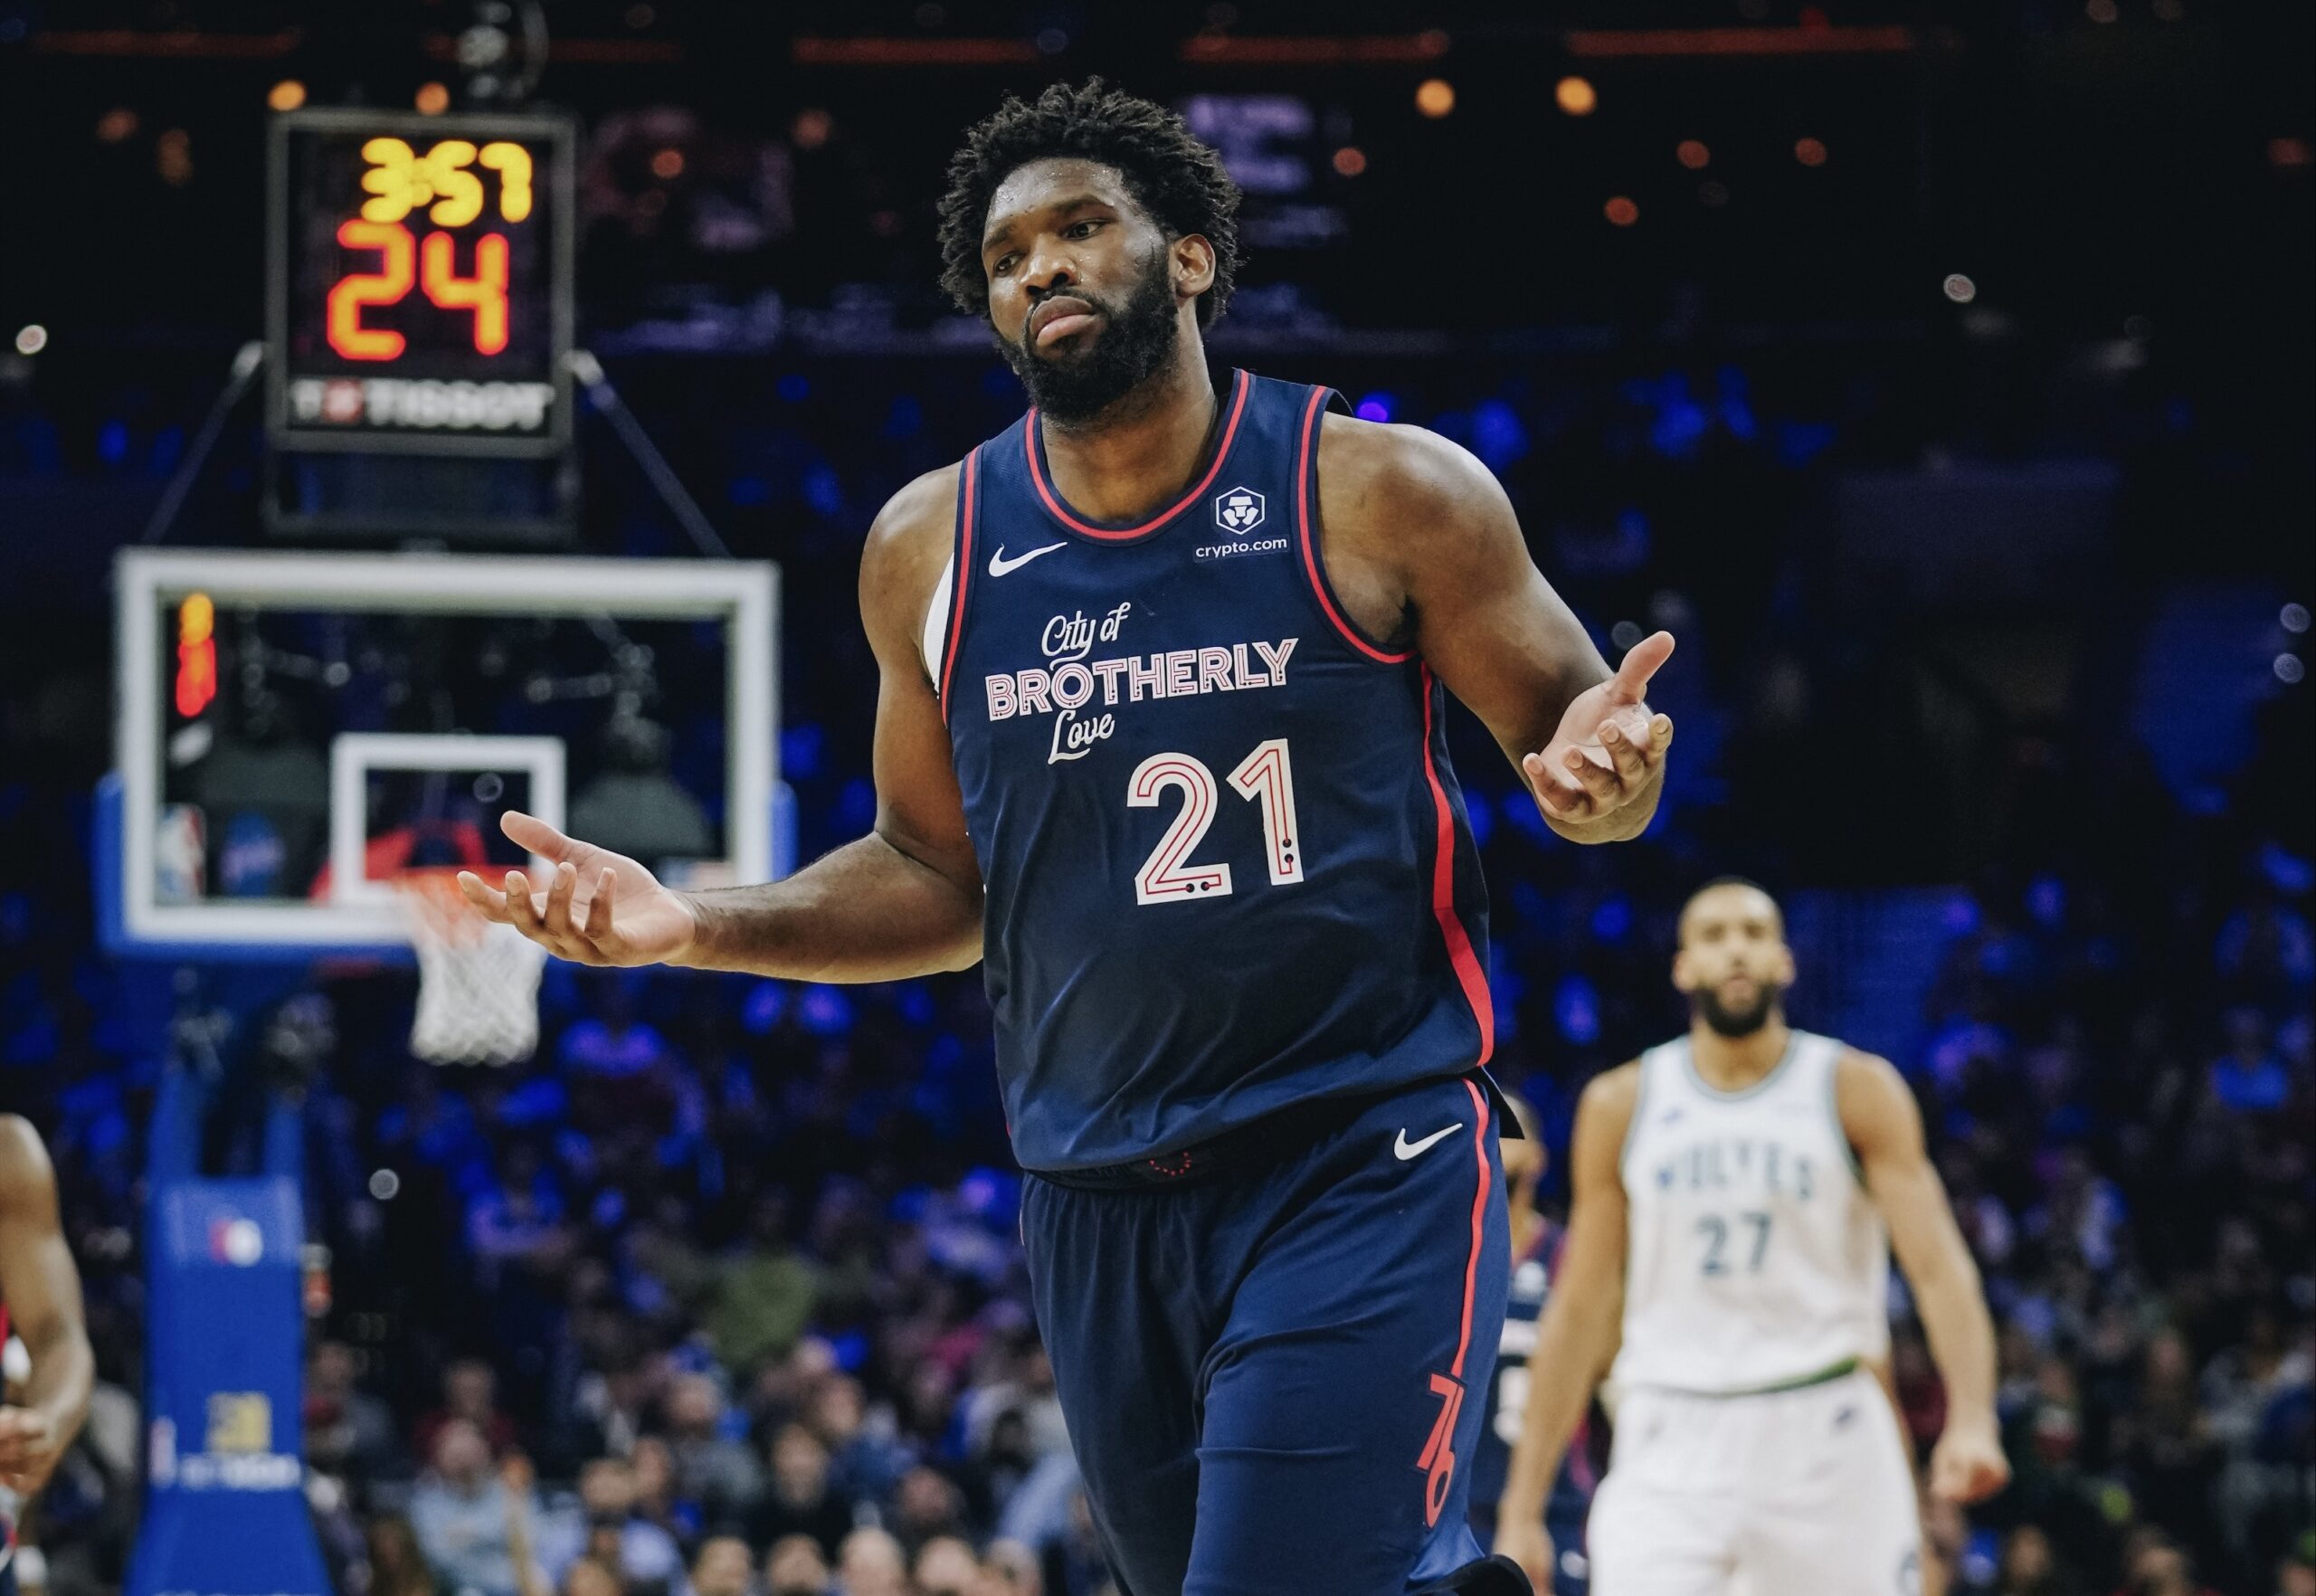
{"x": 1267, "y": 774}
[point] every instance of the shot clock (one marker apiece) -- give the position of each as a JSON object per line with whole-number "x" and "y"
{"x": 419, "y": 290}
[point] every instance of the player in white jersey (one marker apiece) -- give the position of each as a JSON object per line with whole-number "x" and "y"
{"x": 1736, "y": 1196}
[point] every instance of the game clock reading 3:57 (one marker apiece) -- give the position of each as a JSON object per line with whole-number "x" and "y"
{"x": 420, "y": 283}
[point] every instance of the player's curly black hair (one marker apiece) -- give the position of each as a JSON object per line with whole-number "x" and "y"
{"x": 1173, "y": 177}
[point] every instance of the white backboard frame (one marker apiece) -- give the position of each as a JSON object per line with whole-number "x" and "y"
{"x": 745, "y": 593}
{"x": 353, "y": 755}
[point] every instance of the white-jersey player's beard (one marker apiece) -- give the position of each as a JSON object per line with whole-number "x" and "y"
{"x": 1705, "y": 1004}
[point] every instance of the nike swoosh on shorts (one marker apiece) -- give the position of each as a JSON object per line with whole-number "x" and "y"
{"x": 1407, "y": 1150}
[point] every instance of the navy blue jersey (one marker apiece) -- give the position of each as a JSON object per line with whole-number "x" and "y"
{"x": 1227, "y": 863}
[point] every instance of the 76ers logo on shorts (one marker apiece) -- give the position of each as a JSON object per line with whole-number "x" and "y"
{"x": 1238, "y": 511}
{"x": 1438, "y": 1460}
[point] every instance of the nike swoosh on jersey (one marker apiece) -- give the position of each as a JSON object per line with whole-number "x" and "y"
{"x": 1407, "y": 1149}
{"x": 999, "y": 565}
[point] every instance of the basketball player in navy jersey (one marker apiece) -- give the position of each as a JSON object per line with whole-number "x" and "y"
{"x": 40, "y": 1301}
{"x": 1160, "y": 741}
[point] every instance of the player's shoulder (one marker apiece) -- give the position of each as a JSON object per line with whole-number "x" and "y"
{"x": 1398, "y": 468}
{"x": 922, "y": 515}
{"x": 1856, "y": 1069}
{"x": 907, "y": 544}
{"x": 1613, "y": 1091}
{"x": 1604, "y": 1114}
{"x": 1605, "y": 1108}
{"x": 1408, "y": 502}
{"x": 24, "y": 1156}
{"x": 1873, "y": 1098}
{"x": 19, "y": 1139}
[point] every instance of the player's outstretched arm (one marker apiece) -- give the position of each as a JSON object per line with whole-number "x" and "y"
{"x": 904, "y": 900}
{"x": 44, "y": 1291}
{"x": 1882, "y": 1122}
{"x": 1426, "y": 531}
{"x": 1582, "y": 1320}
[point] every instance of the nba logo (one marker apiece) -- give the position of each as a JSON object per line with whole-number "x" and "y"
{"x": 240, "y": 1421}
{"x": 236, "y": 1241}
{"x": 1238, "y": 511}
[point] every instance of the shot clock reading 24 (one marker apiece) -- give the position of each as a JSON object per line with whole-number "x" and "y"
{"x": 420, "y": 283}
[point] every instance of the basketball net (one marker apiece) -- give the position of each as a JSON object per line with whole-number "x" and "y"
{"x": 478, "y": 981}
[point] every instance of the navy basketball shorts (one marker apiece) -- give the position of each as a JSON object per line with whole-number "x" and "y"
{"x": 1573, "y": 1565}
{"x": 1269, "y": 1376}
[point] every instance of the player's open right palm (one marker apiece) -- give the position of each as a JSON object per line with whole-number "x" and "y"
{"x": 600, "y": 907}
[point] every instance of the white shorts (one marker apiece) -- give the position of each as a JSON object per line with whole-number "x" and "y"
{"x": 1798, "y": 1493}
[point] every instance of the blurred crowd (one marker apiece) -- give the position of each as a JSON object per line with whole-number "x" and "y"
{"x": 2124, "y": 1110}
{"x": 721, "y": 1291}
{"x": 1978, "y": 582}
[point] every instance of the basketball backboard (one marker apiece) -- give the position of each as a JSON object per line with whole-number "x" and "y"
{"x": 293, "y": 728}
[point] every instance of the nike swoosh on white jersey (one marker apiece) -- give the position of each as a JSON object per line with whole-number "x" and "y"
{"x": 999, "y": 565}
{"x": 1407, "y": 1149}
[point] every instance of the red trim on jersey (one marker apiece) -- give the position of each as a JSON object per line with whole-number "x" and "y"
{"x": 1438, "y": 1459}
{"x": 1239, "y": 384}
{"x": 1480, "y": 1217}
{"x": 1468, "y": 974}
{"x": 959, "y": 578}
{"x": 1304, "y": 494}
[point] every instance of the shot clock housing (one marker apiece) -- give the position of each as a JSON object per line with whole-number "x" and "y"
{"x": 419, "y": 283}
{"x": 419, "y": 327}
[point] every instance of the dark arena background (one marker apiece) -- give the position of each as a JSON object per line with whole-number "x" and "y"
{"x": 1940, "y": 375}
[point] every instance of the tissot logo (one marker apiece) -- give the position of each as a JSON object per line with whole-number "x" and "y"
{"x": 1238, "y": 511}
{"x": 422, "y": 403}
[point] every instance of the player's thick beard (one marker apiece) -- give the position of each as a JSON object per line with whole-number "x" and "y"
{"x": 1706, "y": 1005}
{"x": 1136, "y": 338}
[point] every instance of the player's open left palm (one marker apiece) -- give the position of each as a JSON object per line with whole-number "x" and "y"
{"x": 599, "y": 907}
{"x": 1608, "y": 750}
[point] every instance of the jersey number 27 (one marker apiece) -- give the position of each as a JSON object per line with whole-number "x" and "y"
{"x": 1715, "y": 1232}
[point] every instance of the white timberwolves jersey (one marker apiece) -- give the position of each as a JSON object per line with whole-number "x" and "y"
{"x": 1754, "y": 1258}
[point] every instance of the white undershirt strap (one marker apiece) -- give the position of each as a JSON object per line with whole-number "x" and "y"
{"x": 935, "y": 635}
